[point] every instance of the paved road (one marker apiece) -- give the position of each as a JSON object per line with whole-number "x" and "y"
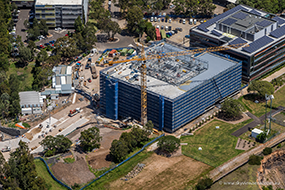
{"x": 23, "y": 15}
{"x": 256, "y": 121}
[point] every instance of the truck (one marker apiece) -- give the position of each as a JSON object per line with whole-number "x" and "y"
{"x": 93, "y": 71}
{"x": 74, "y": 112}
{"x": 6, "y": 149}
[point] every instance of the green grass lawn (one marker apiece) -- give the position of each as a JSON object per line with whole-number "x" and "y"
{"x": 104, "y": 182}
{"x": 218, "y": 145}
{"x": 69, "y": 160}
{"x": 43, "y": 172}
{"x": 258, "y": 109}
{"x": 24, "y": 75}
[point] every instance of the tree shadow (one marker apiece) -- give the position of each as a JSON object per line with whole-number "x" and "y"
{"x": 125, "y": 32}
{"x": 108, "y": 158}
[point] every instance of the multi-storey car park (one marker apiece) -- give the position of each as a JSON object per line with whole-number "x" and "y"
{"x": 61, "y": 13}
{"x": 179, "y": 89}
{"x": 263, "y": 32}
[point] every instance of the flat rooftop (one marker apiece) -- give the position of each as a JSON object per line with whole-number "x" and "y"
{"x": 172, "y": 77}
{"x": 266, "y": 30}
{"x": 58, "y": 2}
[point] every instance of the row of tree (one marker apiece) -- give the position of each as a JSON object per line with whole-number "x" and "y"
{"x": 194, "y": 7}
{"x": 271, "y": 6}
{"x": 127, "y": 143}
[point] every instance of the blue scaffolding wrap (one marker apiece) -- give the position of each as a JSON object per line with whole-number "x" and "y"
{"x": 111, "y": 98}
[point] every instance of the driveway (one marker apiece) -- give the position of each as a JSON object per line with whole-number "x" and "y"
{"x": 23, "y": 15}
{"x": 55, "y": 36}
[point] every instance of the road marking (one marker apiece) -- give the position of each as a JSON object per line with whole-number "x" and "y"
{"x": 74, "y": 97}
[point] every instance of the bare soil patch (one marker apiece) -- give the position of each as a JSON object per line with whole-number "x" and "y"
{"x": 163, "y": 173}
{"x": 32, "y": 133}
{"x": 271, "y": 170}
{"x": 76, "y": 172}
{"x": 100, "y": 158}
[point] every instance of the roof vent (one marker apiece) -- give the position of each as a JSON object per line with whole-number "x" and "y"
{"x": 249, "y": 15}
{"x": 259, "y": 17}
{"x": 255, "y": 16}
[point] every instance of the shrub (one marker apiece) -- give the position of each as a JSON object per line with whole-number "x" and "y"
{"x": 267, "y": 151}
{"x": 204, "y": 184}
{"x": 75, "y": 186}
{"x": 169, "y": 144}
{"x": 254, "y": 160}
{"x": 26, "y": 125}
{"x": 83, "y": 55}
{"x": 279, "y": 145}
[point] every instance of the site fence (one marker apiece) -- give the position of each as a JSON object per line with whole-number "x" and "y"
{"x": 58, "y": 181}
{"x": 277, "y": 121}
{"x": 124, "y": 161}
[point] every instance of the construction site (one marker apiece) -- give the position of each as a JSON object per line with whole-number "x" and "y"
{"x": 179, "y": 87}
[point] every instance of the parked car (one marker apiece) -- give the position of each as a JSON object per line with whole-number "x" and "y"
{"x": 166, "y": 28}
{"x": 87, "y": 66}
{"x": 47, "y": 44}
{"x": 180, "y": 21}
{"x": 187, "y": 36}
{"x": 158, "y": 20}
{"x": 89, "y": 80}
{"x": 155, "y": 19}
{"x": 169, "y": 28}
{"x": 172, "y": 6}
{"x": 162, "y": 20}
{"x": 151, "y": 19}
{"x": 162, "y": 27}
{"x": 184, "y": 21}
{"x": 170, "y": 20}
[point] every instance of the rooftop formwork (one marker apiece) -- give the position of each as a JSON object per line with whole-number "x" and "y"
{"x": 179, "y": 88}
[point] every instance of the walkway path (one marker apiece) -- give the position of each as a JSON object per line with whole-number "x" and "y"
{"x": 256, "y": 121}
{"x": 275, "y": 75}
{"x": 224, "y": 169}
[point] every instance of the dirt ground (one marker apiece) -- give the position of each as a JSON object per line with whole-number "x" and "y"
{"x": 163, "y": 173}
{"x": 99, "y": 159}
{"x": 32, "y": 133}
{"x": 78, "y": 172}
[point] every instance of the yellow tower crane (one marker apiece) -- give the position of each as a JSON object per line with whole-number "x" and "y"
{"x": 144, "y": 58}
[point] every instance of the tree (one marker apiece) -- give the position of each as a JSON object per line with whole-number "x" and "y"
{"x": 25, "y": 55}
{"x": 261, "y": 87}
{"x": 232, "y": 108}
{"x": 90, "y": 139}
{"x": 41, "y": 57}
{"x": 5, "y": 104}
{"x": 118, "y": 151}
{"x": 168, "y": 144}
{"x": 254, "y": 160}
{"x": 66, "y": 47}
{"x": 43, "y": 27}
{"x": 56, "y": 144}
{"x": 4, "y": 62}
{"x": 140, "y": 135}
{"x": 134, "y": 16}
{"x": 20, "y": 171}
{"x": 62, "y": 143}
{"x": 130, "y": 140}
{"x": 78, "y": 25}
{"x": 149, "y": 125}
{"x": 32, "y": 46}
{"x": 204, "y": 184}
{"x": 267, "y": 151}
{"x": 150, "y": 30}
{"x": 261, "y": 137}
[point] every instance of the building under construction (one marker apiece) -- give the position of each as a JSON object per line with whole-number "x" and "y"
{"x": 179, "y": 89}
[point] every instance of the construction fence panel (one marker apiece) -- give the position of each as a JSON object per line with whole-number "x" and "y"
{"x": 58, "y": 181}
{"x": 124, "y": 161}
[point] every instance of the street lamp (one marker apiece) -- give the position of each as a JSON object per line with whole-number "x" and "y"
{"x": 268, "y": 97}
